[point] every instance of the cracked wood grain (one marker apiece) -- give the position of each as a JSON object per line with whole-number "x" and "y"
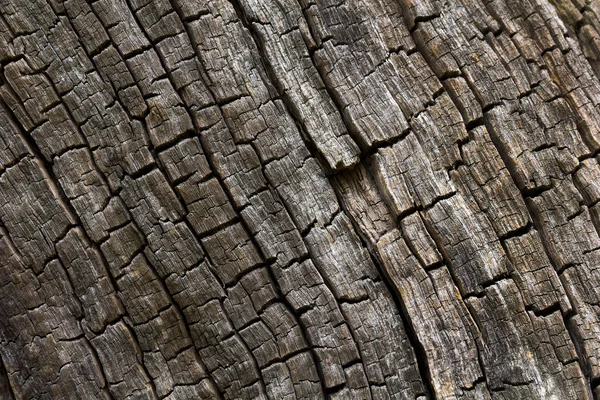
{"x": 284, "y": 199}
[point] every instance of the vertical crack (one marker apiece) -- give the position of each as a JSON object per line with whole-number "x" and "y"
{"x": 63, "y": 200}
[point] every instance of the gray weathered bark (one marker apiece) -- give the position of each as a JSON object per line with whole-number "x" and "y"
{"x": 285, "y": 199}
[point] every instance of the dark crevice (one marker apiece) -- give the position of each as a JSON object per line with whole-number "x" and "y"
{"x": 529, "y": 193}
{"x": 417, "y": 347}
{"x": 274, "y": 83}
{"x": 449, "y": 74}
{"x": 547, "y": 311}
{"x": 474, "y": 124}
{"x": 136, "y": 174}
{"x": 46, "y": 169}
{"x": 508, "y": 164}
{"x": 419, "y": 351}
{"x": 379, "y": 144}
{"x": 313, "y": 151}
{"x": 419, "y": 20}
{"x": 335, "y": 98}
{"x": 6, "y": 383}
{"x": 185, "y": 220}
{"x": 523, "y": 230}
{"x": 282, "y": 298}
{"x": 105, "y": 45}
{"x": 456, "y": 282}
{"x": 301, "y": 127}
{"x": 330, "y": 391}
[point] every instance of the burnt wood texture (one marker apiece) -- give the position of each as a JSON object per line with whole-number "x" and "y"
{"x": 299, "y": 199}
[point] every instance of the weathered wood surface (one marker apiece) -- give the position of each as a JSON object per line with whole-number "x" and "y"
{"x": 279, "y": 199}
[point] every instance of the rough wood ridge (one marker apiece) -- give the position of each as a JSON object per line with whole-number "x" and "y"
{"x": 281, "y": 199}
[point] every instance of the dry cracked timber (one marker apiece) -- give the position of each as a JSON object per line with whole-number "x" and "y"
{"x": 280, "y": 199}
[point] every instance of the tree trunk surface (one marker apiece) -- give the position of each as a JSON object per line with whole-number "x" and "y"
{"x": 281, "y": 199}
